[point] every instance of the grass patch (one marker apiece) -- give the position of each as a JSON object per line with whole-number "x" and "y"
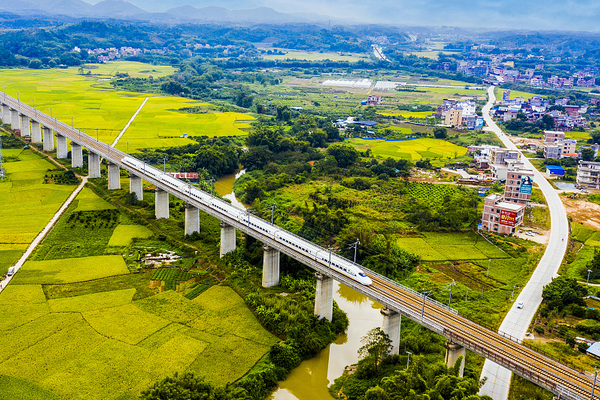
{"x": 435, "y": 247}
{"x": 580, "y": 232}
{"x": 123, "y": 235}
{"x": 89, "y": 201}
{"x": 70, "y": 270}
{"x": 407, "y": 114}
{"x": 593, "y": 240}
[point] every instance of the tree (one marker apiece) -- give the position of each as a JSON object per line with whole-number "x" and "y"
{"x": 376, "y": 345}
{"x": 440, "y": 132}
{"x": 587, "y": 154}
{"x": 563, "y": 291}
{"x": 186, "y": 386}
{"x": 594, "y": 265}
{"x": 344, "y": 155}
{"x": 133, "y": 199}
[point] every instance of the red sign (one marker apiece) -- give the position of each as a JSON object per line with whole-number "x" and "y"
{"x": 184, "y": 175}
{"x": 508, "y": 218}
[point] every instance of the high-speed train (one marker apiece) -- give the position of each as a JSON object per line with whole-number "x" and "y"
{"x": 284, "y": 237}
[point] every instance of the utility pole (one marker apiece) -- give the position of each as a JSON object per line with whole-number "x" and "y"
{"x": 2, "y": 172}
{"x": 165, "y": 164}
{"x": 587, "y": 282}
{"x": 329, "y": 248}
{"x": 450, "y": 297}
{"x": 513, "y": 291}
{"x": 488, "y": 269}
{"x": 408, "y": 360}
{"x": 273, "y": 207}
{"x": 423, "y": 307}
{"x": 355, "y": 245}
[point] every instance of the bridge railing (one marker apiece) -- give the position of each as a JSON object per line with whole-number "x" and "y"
{"x": 549, "y": 381}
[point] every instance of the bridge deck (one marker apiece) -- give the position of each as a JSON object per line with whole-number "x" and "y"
{"x": 505, "y": 351}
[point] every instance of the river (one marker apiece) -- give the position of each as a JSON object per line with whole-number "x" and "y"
{"x": 310, "y": 380}
{"x": 224, "y": 187}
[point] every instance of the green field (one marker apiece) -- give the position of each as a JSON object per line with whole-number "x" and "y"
{"x": 26, "y": 203}
{"x": 69, "y": 270}
{"x": 103, "y": 345}
{"x": 94, "y": 107}
{"x": 133, "y": 68}
{"x": 437, "y": 247}
{"x": 410, "y": 149}
{"x": 160, "y": 124}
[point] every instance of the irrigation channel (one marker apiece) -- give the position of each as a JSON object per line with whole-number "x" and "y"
{"x": 310, "y": 380}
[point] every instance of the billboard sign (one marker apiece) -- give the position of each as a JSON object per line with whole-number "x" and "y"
{"x": 508, "y": 218}
{"x": 526, "y": 185}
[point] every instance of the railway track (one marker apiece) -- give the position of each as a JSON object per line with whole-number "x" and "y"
{"x": 548, "y": 373}
{"x": 522, "y": 360}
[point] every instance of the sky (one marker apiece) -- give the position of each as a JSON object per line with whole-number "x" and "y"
{"x": 513, "y": 14}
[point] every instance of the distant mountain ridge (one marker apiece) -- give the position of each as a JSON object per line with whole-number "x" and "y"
{"x": 119, "y": 9}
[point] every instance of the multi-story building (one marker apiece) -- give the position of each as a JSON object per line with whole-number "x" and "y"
{"x": 501, "y": 156}
{"x": 454, "y": 117}
{"x": 588, "y": 174}
{"x": 552, "y": 151}
{"x": 500, "y": 216}
{"x": 553, "y": 136}
{"x": 560, "y": 149}
{"x": 519, "y": 185}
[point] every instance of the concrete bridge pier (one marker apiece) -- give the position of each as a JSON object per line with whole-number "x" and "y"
{"x": 36, "y": 132}
{"x": 5, "y": 114}
{"x": 14, "y": 120}
{"x": 324, "y": 297}
{"x": 270, "y": 274}
{"x": 93, "y": 165}
{"x": 161, "y": 206}
{"x": 48, "y": 139}
{"x": 136, "y": 186}
{"x": 114, "y": 176}
{"x": 391, "y": 326}
{"x": 61, "y": 146}
{"x": 192, "y": 217}
{"x": 227, "y": 238}
{"x": 453, "y": 352}
{"x": 25, "y": 130}
{"x": 76, "y": 155}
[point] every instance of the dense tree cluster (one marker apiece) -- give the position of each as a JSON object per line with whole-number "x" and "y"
{"x": 562, "y": 292}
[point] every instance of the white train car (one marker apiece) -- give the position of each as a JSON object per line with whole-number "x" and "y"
{"x": 340, "y": 264}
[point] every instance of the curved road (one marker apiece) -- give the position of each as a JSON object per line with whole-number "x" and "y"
{"x": 517, "y": 320}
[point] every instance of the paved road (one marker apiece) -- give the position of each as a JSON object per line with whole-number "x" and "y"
{"x": 517, "y": 320}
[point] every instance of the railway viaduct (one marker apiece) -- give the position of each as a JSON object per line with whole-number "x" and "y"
{"x": 397, "y": 299}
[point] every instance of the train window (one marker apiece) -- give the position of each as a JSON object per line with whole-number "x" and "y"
{"x": 362, "y": 274}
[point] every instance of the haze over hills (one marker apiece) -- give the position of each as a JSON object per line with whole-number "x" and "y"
{"x": 577, "y": 15}
{"x": 125, "y": 10}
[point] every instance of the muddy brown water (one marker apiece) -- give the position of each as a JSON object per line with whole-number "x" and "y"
{"x": 311, "y": 379}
